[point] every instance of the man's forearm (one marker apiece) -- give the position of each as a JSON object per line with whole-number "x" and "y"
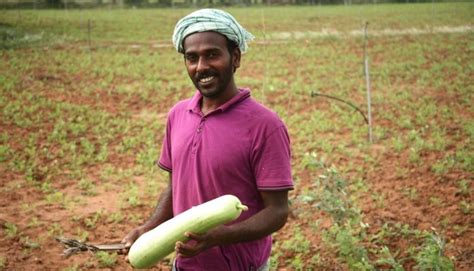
{"x": 163, "y": 210}
{"x": 270, "y": 219}
{"x": 267, "y": 221}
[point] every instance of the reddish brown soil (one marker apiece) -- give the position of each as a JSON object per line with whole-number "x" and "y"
{"x": 20, "y": 201}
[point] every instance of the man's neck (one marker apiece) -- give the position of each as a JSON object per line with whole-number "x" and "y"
{"x": 209, "y": 104}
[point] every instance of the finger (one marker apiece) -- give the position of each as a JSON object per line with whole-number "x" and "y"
{"x": 194, "y": 236}
{"x": 185, "y": 250}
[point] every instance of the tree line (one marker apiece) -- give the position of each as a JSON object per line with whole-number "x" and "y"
{"x": 187, "y": 3}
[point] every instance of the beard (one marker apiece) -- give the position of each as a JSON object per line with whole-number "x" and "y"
{"x": 219, "y": 83}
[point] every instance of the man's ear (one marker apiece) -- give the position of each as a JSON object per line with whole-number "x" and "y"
{"x": 236, "y": 58}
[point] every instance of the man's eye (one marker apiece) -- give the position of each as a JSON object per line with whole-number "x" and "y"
{"x": 212, "y": 55}
{"x": 191, "y": 58}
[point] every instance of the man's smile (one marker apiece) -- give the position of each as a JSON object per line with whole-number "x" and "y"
{"x": 206, "y": 79}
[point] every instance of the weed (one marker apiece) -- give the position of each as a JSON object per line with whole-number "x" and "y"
{"x": 132, "y": 195}
{"x": 136, "y": 218}
{"x": 5, "y": 152}
{"x": 298, "y": 243}
{"x": 27, "y": 243}
{"x": 379, "y": 199}
{"x": 115, "y": 218}
{"x": 91, "y": 222}
{"x": 465, "y": 207}
{"x": 436, "y": 201}
{"x": 296, "y": 263}
{"x": 398, "y": 144}
{"x": 34, "y": 222}
{"x": 464, "y": 187}
{"x": 410, "y": 192}
{"x": 82, "y": 235}
{"x": 460, "y": 229}
{"x": 46, "y": 187}
{"x": 55, "y": 197}
{"x": 445, "y": 222}
{"x": 431, "y": 254}
{"x": 414, "y": 156}
{"x": 386, "y": 258}
{"x": 87, "y": 186}
{"x": 11, "y": 230}
{"x": 55, "y": 229}
{"x": 106, "y": 259}
{"x": 72, "y": 268}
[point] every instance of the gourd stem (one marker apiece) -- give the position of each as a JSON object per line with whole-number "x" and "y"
{"x": 242, "y": 207}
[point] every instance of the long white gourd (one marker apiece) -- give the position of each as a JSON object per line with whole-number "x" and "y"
{"x": 156, "y": 244}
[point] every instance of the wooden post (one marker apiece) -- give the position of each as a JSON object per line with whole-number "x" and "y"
{"x": 367, "y": 80}
{"x": 89, "y": 33}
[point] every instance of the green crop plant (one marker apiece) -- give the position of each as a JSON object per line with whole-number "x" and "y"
{"x": 386, "y": 258}
{"x": 93, "y": 117}
{"x": 11, "y": 230}
{"x": 55, "y": 230}
{"x": 436, "y": 201}
{"x": 82, "y": 235}
{"x": 464, "y": 187}
{"x": 87, "y": 186}
{"x": 349, "y": 246}
{"x": 132, "y": 195}
{"x": 55, "y": 197}
{"x": 106, "y": 259}
{"x": 465, "y": 158}
{"x": 28, "y": 243}
{"x": 460, "y": 229}
{"x": 34, "y": 222}
{"x": 465, "y": 206}
{"x": 91, "y": 222}
{"x": 298, "y": 244}
{"x": 115, "y": 217}
{"x": 398, "y": 144}
{"x": 430, "y": 255}
{"x": 74, "y": 267}
{"x": 410, "y": 192}
{"x": 414, "y": 156}
{"x": 379, "y": 200}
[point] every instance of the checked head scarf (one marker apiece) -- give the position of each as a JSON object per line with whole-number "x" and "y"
{"x": 211, "y": 20}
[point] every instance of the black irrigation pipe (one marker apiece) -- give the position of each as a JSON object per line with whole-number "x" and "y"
{"x": 314, "y": 94}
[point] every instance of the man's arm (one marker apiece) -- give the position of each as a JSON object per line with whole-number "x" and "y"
{"x": 162, "y": 213}
{"x": 270, "y": 219}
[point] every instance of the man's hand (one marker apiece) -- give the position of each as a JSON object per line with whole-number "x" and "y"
{"x": 274, "y": 214}
{"x": 130, "y": 238}
{"x": 196, "y": 244}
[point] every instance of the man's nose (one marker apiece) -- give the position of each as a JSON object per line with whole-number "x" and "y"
{"x": 202, "y": 64}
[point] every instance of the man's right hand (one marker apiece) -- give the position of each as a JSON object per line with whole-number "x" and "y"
{"x": 131, "y": 237}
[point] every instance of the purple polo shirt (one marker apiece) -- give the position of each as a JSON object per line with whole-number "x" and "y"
{"x": 240, "y": 148}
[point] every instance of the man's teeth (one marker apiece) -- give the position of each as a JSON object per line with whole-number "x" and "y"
{"x": 207, "y": 79}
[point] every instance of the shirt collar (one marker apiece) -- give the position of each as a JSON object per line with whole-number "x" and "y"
{"x": 194, "y": 104}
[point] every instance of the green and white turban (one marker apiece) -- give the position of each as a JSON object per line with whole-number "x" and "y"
{"x": 211, "y": 20}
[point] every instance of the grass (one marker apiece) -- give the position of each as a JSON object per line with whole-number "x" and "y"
{"x": 81, "y": 122}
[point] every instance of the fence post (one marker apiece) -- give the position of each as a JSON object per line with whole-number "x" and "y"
{"x": 367, "y": 80}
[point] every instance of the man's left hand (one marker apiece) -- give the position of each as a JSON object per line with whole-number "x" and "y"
{"x": 191, "y": 249}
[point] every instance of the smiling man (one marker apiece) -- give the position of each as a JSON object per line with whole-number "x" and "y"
{"x": 221, "y": 141}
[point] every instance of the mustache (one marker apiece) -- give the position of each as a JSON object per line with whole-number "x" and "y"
{"x": 205, "y": 74}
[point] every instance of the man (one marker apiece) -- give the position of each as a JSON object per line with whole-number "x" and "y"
{"x": 221, "y": 141}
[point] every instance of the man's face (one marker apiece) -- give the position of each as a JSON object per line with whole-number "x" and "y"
{"x": 209, "y": 63}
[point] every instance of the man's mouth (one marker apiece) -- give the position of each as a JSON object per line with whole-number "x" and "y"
{"x": 206, "y": 80}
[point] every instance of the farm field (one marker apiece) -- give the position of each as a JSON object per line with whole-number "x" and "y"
{"x": 84, "y": 98}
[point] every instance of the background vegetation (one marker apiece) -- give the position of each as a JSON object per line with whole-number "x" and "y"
{"x": 84, "y": 97}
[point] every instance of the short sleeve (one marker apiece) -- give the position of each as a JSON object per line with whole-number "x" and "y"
{"x": 272, "y": 161}
{"x": 165, "y": 157}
